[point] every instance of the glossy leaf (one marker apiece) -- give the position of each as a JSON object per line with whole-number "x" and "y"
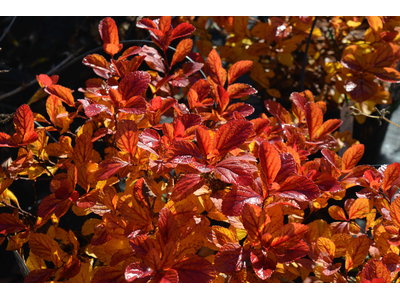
{"x": 254, "y": 221}
{"x": 391, "y": 175}
{"x": 395, "y": 212}
{"x": 235, "y": 171}
{"x": 263, "y": 265}
{"x": 359, "y": 208}
{"x": 234, "y": 201}
{"x": 239, "y": 90}
{"x": 298, "y": 188}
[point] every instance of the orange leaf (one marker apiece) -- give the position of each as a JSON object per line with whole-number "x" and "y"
{"x": 289, "y": 235}
{"x": 254, "y": 221}
{"x": 44, "y": 246}
{"x": 375, "y": 23}
{"x": 239, "y": 90}
{"x": 63, "y": 93}
{"x": 23, "y": 120}
{"x": 337, "y": 213}
{"x": 127, "y": 136}
{"x": 214, "y": 68}
{"x": 327, "y": 248}
{"x": 351, "y": 157}
{"x": 83, "y": 149}
{"x": 109, "y": 34}
{"x": 314, "y": 118}
{"x": 390, "y": 175}
{"x": 375, "y": 269}
{"x": 356, "y": 252}
{"x": 359, "y": 208}
{"x": 395, "y": 212}
{"x": 182, "y": 50}
{"x": 204, "y": 141}
{"x": 327, "y": 127}
{"x": 270, "y": 163}
{"x": 238, "y": 69}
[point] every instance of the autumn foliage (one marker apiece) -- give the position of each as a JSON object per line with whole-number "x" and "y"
{"x": 208, "y": 196}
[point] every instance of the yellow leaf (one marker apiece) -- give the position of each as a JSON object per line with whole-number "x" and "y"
{"x": 85, "y": 274}
{"x": 34, "y": 262}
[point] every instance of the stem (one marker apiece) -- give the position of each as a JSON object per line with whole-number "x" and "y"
{"x": 303, "y": 70}
{"x": 7, "y": 29}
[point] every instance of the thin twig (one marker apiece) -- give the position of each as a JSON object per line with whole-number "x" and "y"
{"x": 382, "y": 113}
{"x": 24, "y": 86}
{"x": 7, "y": 29}
{"x": 303, "y": 70}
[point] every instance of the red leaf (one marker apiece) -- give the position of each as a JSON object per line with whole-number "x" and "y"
{"x": 24, "y": 125}
{"x": 186, "y": 186}
{"x": 10, "y": 224}
{"x": 214, "y": 68}
{"x": 263, "y": 264}
{"x": 278, "y": 111}
{"x": 182, "y": 50}
{"x": 232, "y": 135}
{"x": 182, "y": 30}
{"x": 298, "y": 188}
{"x": 202, "y": 88}
{"x": 95, "y": 109}
{"x": 361, "y": 87}
{"x": 392, "y": 262}
{"x": 168, "y": 226}
{"x": 230, "y": 258}
{"x": 270, "y": 163}
{"x": 194, "y": 269}
{"x": 171, "y": 276}
{"x": 375, "y": 269}
{"x": 135, "y": 105}
{"x": 235, "y": 171}
{"x": 239, "y": 90}
{"x": 44, "y": 80}
{"x": 234, "y": 201}
{"x": 99, "y": 65}
{"x": 134, "y": 84}
{"x": 127, "y": 136}
{"x": 6, "y": 140}
{"x": 63, "y": 93}
{"x": 109, "y": 167}
{"x": 387, "y": 74}
{"x": 138, "y": 270}
{"x": 254, "y": 221}
{"x": 242, "y": 108}
{"x": 109, "y": 34}
{"x": 238, "y": 69}
{"x": 351, "y": 157}
{"x": 150, "y": 138}
{"x": 180, "y": 151}
{"x": 39, "y": 276}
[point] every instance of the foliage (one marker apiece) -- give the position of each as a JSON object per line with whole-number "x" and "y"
{"x": 209, "y": 196}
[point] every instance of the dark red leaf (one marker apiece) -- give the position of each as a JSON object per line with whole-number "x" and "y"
{"x": 230, "y": 258}
{"x": 234, "y": 201}
{"x": 235, "y": 171}
{"x": 186, "y": 186}
{"x": 134, "y": 84}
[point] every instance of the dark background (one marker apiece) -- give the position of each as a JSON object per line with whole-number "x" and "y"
{"x": 35, "y": 45}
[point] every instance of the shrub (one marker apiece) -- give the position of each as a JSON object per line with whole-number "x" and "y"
{"x": 171, "y": 182}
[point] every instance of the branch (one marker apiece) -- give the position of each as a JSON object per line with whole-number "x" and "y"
{"x": 24, "y": 86}
{"x": 7, "y": 29}
{"x": 382, "y": 113}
